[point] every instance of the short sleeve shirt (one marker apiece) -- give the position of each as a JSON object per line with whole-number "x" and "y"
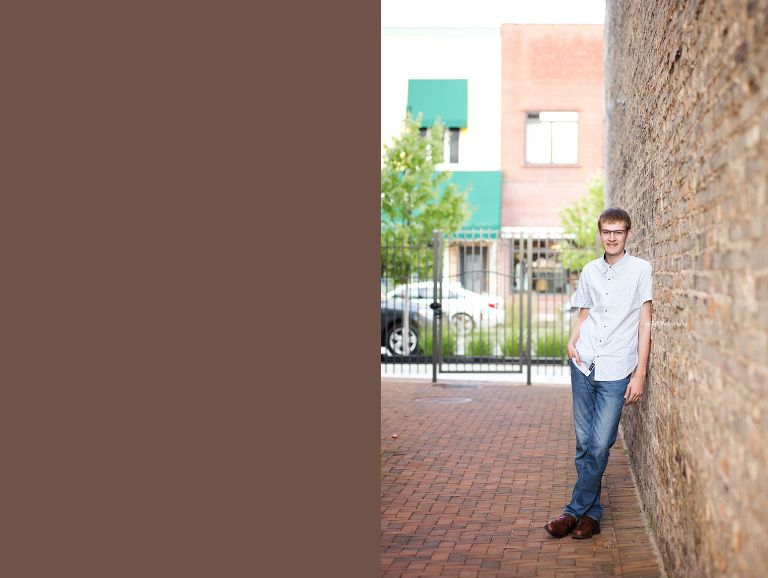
{"x": 614, "y": 295}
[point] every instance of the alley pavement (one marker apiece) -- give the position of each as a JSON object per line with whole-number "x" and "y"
{"x": 475, "y": 472}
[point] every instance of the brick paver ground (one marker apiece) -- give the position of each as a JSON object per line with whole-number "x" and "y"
{"x": 467, "y": 487}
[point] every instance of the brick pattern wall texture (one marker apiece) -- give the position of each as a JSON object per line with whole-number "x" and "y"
{"x": 549, "y": 67}
{"x": 686, "y": 153}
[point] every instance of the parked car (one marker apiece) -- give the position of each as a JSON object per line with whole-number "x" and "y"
{"x": 392, "y": 316}
{"x": 466, "y": 309}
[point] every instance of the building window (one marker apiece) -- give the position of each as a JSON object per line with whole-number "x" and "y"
{"x": 473, "y": 268}
{"x": 552, "y": 138}
{"x": 452, "y": 145}
{"x": 451, "y": 150}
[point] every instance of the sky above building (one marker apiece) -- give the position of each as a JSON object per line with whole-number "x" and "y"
{"x": 488, "y": 13}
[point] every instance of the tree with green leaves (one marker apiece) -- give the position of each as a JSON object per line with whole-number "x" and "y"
{"x": 580, "y": 220}
{"x": 416, "y": 199}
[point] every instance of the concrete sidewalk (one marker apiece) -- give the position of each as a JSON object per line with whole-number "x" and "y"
{"x": 477, "y": 470}
{"x": 540, "y": 375}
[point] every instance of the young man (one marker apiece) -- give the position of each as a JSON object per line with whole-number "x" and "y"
{"x": 610, "y": 340}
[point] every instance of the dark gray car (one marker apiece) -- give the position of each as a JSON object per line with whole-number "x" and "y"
{"x": 392, "y": 326}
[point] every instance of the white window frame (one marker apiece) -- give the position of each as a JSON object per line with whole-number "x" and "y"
{"x": 554, "y": 121}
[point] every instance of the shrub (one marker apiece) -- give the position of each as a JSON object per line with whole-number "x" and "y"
{"x": 449, "y": 341}
{"x": 551, "y": 342}
{"x": 480, "y": 343}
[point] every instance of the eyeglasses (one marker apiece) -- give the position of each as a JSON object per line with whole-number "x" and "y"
{"x": 618, "y": 234}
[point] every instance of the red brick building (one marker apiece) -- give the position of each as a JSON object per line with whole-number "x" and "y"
{"x": 551, "y": 118}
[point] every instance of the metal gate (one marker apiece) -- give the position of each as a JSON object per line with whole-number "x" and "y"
{"x": 479, "y": 326}
{"x": 478, "y": 302}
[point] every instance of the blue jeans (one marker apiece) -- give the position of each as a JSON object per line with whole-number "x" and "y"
{"x": 597, "y": 408}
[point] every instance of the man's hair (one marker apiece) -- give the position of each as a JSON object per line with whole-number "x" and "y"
{"x": 614, "y": 215}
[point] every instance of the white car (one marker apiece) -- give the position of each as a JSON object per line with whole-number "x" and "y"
{"x": 466, "y": 309}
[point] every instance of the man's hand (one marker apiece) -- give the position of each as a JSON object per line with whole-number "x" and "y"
{"x": 634, "y": 389}
{"x": 573, "y": 353}
{"x": 635, "y": 386}
{"x": 571, "y": 347}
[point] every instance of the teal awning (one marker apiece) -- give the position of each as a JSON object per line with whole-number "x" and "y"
{"x": 444, "y": 98}
{"x": 485, "y": 195}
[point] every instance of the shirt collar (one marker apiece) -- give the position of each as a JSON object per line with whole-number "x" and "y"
{"x": 618, "y": 266}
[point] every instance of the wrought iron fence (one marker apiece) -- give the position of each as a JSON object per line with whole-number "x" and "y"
{"x": 478, "y": 301}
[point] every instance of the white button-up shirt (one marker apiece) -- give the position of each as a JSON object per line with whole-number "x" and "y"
{"x": 609, "y": 335}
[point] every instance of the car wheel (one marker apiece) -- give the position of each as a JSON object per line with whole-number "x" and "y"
{"x": 463, "y": 323}
{"x": 395, "y": 341}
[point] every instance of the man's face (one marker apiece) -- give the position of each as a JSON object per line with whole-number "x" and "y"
{"x": 613, "y": 244}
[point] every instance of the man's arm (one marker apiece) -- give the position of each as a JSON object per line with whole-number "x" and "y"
{"x": 571, "y": 348}
{"x": 635, "y": 386}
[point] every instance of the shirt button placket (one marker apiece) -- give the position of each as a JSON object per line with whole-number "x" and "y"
{"x": 604, "y": 327}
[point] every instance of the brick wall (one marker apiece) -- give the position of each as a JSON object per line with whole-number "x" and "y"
{"x": 549, "y": 67}
{"x": 686, "y": 153}
{"x": 521, "y": 201}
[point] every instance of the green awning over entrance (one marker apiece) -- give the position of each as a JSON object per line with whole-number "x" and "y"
{"x": 485, "y": 195}
{"x": 444, "y": 98}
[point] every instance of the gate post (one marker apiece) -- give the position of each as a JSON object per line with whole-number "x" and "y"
{"x": 529, "y": 268}
{"x": 437, "y": 271}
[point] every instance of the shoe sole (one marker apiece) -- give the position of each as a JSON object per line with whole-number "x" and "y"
{"x": 586, "y": 537}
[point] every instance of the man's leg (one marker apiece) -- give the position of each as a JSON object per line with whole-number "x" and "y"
{"x": 584, "y": 399}
{"x": 583, "y": 413}
{"x": 609, "y": 401}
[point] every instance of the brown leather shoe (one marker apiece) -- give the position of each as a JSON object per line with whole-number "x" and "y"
{"x": 561, "y": 526}
{"x": 586, "y": 528}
